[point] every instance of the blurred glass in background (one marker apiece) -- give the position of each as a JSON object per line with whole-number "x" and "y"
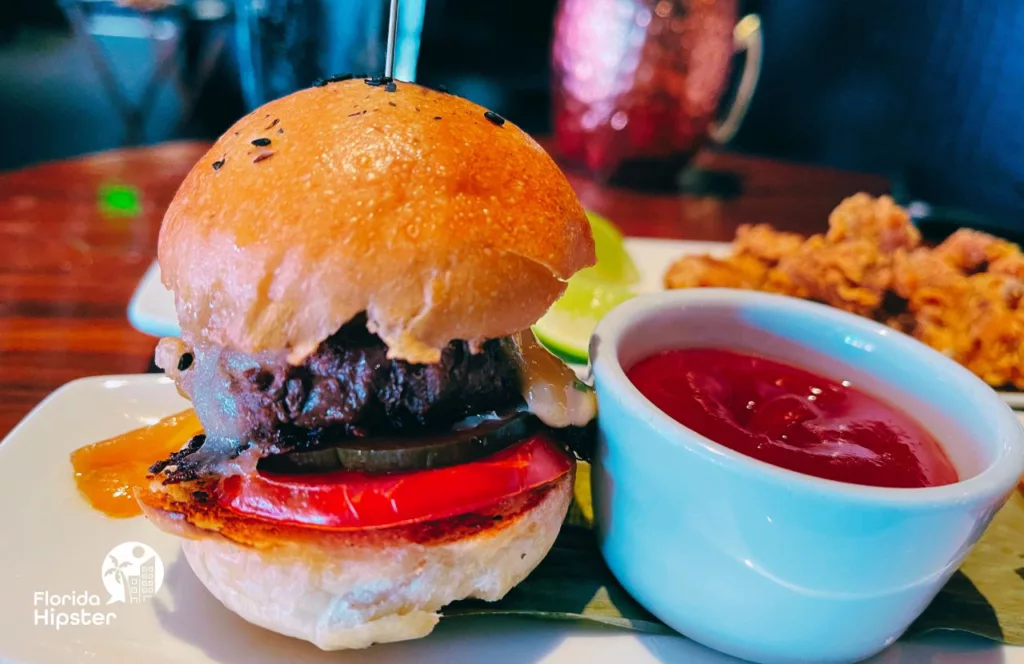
{"x": 183, "y": 41}
{"x": 284, "y": 45}
{"x": 637, "y": 84}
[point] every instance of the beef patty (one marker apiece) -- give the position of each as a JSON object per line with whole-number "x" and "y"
{"x": 348, "y": 387}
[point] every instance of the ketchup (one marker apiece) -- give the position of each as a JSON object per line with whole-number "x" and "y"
{"x": 791, "y": 418}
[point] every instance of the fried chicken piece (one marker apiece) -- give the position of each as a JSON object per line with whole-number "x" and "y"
{"x": 927, "y": 281}
{"x": 701, "y": 271}
{"x": 765, "y": 243}
{"x": 972, "y": 251}
{"x": 974, "y": 320}
{"x": 1011, "y": 265}
{"x": 756, "y": 249}
{"x": 923, "y": 279}
{"x": 782, "y": 283}
{"x": 853, "y": 275}
{"x": 996, "y": 340}
{"x": 995, "y": 329}
{"x": 1004, "y": 289}
{"x": 876, "y": 220}
{"x": 932, "y": 290}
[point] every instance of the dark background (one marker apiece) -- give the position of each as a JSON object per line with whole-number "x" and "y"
{"x": 927, "y": 92}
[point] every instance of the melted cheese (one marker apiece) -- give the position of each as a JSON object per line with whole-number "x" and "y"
{"x": 108, "y": 473}
{"x": 207, "y": 383}
{"x": 550, "y": 388}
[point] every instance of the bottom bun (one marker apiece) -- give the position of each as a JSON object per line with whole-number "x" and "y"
{"x": 341, "y": 590}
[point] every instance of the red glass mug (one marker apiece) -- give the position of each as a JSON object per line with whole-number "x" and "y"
{"x": 637, "y": 84}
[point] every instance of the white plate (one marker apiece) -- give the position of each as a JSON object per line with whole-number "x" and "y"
{"x": 53, "y": 542}
{"x": 152, "y": 307}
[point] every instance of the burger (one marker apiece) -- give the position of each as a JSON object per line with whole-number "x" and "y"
{"x": 355, "y": 270}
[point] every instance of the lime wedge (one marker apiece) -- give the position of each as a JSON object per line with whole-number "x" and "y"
{"x": 566, "y": 328}
{"x": 613, "y": 263}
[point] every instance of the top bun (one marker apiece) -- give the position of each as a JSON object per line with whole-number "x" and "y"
{"x": 411, "y": 205}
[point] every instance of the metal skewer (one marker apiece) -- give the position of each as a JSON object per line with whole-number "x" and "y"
{"x": 389, "y": 62}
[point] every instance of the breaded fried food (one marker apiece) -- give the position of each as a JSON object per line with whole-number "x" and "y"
{"x": 995, "y": 352}
{"x": 697, "y": 271}
{"x": 931, "y": 290}
{"x": 965, "y": 297}
{"x": 972, "y": 251}
{"x": 764, "y": 243}
{"x": 876, "y": 220}
{"x": 757, "y": 249}
{"x": 852, "y": 276}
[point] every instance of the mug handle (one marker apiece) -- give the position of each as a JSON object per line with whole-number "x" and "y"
{"x": 746, "y": 38}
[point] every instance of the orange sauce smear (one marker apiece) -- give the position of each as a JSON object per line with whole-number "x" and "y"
{"x": 108, "y": 472}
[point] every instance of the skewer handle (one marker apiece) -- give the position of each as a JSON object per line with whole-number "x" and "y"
{"x": 389, "y": 62}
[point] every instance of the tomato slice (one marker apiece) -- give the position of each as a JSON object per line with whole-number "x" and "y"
{"x": 350, "y": 500}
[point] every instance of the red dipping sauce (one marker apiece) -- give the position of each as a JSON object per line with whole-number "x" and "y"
{"x": 791, "y": 418}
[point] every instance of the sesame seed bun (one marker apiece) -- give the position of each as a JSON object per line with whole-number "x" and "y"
{"x": 411, "y": 205}
{"x": 353, "y": 589}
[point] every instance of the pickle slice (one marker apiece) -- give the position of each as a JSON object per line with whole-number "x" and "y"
{"x": 388, "y": 454}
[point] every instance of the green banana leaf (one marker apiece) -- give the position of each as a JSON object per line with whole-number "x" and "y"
{"x": 985, "y": 597}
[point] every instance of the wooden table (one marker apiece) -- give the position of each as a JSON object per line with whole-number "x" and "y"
{"x": 68, "y": 267}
